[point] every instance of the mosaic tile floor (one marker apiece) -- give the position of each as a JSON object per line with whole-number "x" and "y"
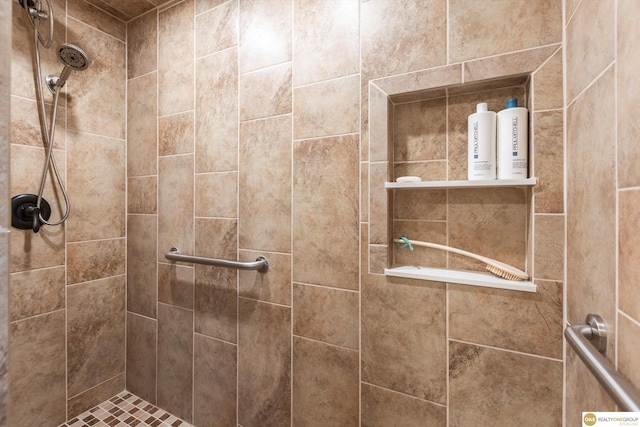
{"x": 126, "y": 409}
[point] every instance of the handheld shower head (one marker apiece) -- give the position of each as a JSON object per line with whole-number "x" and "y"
{"x": 73, "y": 58}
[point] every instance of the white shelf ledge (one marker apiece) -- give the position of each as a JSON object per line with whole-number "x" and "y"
{"x": 525, "y": 182}
{"x": 472, "y": 278}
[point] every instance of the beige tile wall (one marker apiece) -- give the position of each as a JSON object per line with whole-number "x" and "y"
{"x": 602, "y": 206}
{"x": 67, "y": 286}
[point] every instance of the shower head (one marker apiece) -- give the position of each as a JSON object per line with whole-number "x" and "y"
{"x": 73, "y": 58}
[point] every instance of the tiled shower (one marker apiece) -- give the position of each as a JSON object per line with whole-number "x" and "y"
{"x": 241, "y": 128}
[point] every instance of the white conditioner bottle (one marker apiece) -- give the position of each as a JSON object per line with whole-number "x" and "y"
{"x": 513, "y": 141}
{"x": 482, "y": 144}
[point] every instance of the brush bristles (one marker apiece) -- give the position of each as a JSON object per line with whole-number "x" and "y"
{"x": 504, "y": 274}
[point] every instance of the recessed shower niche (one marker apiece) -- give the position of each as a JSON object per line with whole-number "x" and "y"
{"x": 418, "y": 127}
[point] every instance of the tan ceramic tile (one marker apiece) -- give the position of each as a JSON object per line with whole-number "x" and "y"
{"x": 36, "y": 292}
{"x": 423, "y": 95}
{"x": 265, "y": 185}
{"x": 401, "y": 37}
{"x": 628, "y": 348}
{"x": 217, "y": 194}
{"x": 264, "y": 364}
{"x": 327, "y": 108}
{"x": 204, "y": 5}
{"x": 419, "y": 82}
{"x": 175, "y": 285}
{"x": 142, "y": 124}
{"x": 175, "y": 361}
{"x": 590, "y": 44}
{"x": 522, "y": 321}
{"x": 97, "y": 18}
{"x": 627, "y": 93}
{"x": 402, "y": 321}
{"x": 175, "y": 188}
{"x": 381, "y": 126}
{"x": 570, "y": 8}
{"x": 142, "y": 195}
{"x": 364, "y": 191}
{"x": 25, "y": 123}
{"x": 216, "y": 289}
{"x": 95, "y": 333}
{"x": 488, "y": 222}
{"x": 548, "y": 151}
{"x": 141, "y": 356}
{"x": 125, "y": 9}
{"x": 460, "y": 107}
{"x": 326, "y": 40}
{"x": 215, "y": 382}
{"x": 97, "y": 185}
{"x": 175, "y": 60}
{"x": 142, "y": 49}
{"x": 37, "y": 360}
{"x": 378, "y": 258}
{"x": 265, "y": 34}
{"x": 325, "y": 384}
{"x": 548, "y": 85}
{"x": 96, "y": 97}
{"x": 479, "y": 30}
{"x": 549, "y": 247}
{"x": 266, "y": 92}
{"x": 325, "y": 188}
{"x": 96, "y": 259}
{"x": 426, "y": 231}
{"x": 420, "y": 131}
{"x": 382, "y": 408}
{"x": 379, "y": 203}
{"x": 591, "y": 204}
{"x": 435, "y": 170}
{"x": 82, "y": 402}
{"x": 217, "y": 112}
{"x": 273, "y": 286}
{"x": 217, "y": 29}
{"x": 628, "y": 251}
{"x": 176, "y": 134}
{"x": 142, "y": 241}
{"x": 478, "y": 377}
{"x": 523, "y": 62}
{"x": 327, "y": 315}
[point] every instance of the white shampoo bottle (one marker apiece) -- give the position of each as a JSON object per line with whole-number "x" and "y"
{"x": 482, "y": 144}
{"x": 513, "y": 141}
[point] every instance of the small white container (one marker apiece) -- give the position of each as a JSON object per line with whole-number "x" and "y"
{"x": 482, "y": 144}
{"x": 513, "y": 141}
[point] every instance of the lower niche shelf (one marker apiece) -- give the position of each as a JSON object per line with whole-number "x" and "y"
{"x": 473, "y": 278}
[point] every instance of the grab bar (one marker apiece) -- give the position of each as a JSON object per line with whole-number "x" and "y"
{"x": 261, "y": 263}
{"x": 589, "y": 341}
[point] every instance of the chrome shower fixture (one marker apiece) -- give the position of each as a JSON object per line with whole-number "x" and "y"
{"x": 35, "y": 14}
{"x": 73, "y": 58}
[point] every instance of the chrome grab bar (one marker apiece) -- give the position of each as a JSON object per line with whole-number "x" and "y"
{"x": 589, "y": 341}
{"x": 261, "y": 263}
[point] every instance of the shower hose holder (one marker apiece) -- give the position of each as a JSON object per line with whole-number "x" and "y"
{"x": 25, "y": 213}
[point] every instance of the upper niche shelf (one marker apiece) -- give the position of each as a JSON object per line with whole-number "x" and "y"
{"x": 526, "y": 182}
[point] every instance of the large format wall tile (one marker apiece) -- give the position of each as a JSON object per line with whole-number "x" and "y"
{"x": 25, "y": 123}
{"x": 142, "y": 195}
{"x": 628, "y": 348}
{"x": 96, "y": 259}
{"x": 94, "y": 396}
{"x": 383, "y": 408}
{"x": 266, "y": 92}
{"x": 97, "y": 182}
{"x": 272, "y": 286}
{"x": 549, "y": 247}
{"x": 97, "y": 18}
{"x": 402, "y": 321}
{"x": 265, "y": 185}
{"x": 325, "y": 384}
{"x": 628, "y": 252}
{"x": 265, "y": 34}
{"x": 221, "y": 21}
{"x": 217, "y": 194}
{"x": 420, "y": 131}
{"x": 481, "y": 378}
{"x": 142, "y": 48}
{"x": 141, "y": 356}
{"x": 326, "y": 40}
{"x": 37, "y": 361}
{"x": 95, "y": 332}
{"x": 264, "y": 364}
{"x": 175, "y": 361}
{"x": 142, "y": 123}
{"x": 325, "y": 221}
{"x": 217, "y": 112}
{"x": 548, "y": 85}
{"x": 175, "y": 59}
{"x": 36, "y": 292}
{"x": 141, "y": 264}
{"x": 175, "y": 285}
{"x": 176, "y": 134}
{"x": 215, "y": 382}
{"x": 480, "y": 29}
{"x": 548, "y": 152}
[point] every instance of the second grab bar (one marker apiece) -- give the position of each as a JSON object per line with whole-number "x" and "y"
{"x": 261, "y": 264}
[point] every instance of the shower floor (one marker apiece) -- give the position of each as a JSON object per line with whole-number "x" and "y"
{"x": 126, "y": 409}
